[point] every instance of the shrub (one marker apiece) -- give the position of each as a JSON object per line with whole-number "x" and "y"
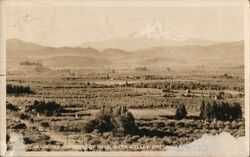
{"x": 170, "y": 123}
{"x": 45, "y": 137}
{"x": 11, "y": 107}
{"x": 31, "y": 120}
{"x": 95, "y": 141}
{"x": 179, "y": 124}
{"x": 112, "y": 118}
{"x": 24, "y": 116}
{"x": 45, "y": 124}
{"x": 90, "y": 126}
{"x": 49, "y": 108}
{"x": 19, "y": 126}
{"x": 181, "y": 112}
{"x": 60, "y": 128}
{"x": 27, "y": 140}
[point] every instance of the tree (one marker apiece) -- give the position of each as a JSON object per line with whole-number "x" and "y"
{"x": 207, "y": 113}
{"x": 202, "y": 110}
{"x": 213, "y": 110}
{"x": 235, "y": 111}
{"x": 225, "y": 111}
{"x": 181, "y": 112}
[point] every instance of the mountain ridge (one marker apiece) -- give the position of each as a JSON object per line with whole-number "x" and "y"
{"x": 77, "y": 57}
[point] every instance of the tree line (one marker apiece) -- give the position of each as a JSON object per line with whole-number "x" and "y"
{"x": 186, "y": 85}
{"x": 220, "y": 111}
{"x": 18, "y": 89}
{"x": 215, "y": 110}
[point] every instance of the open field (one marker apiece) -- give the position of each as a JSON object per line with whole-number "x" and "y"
{"x": 152, "y": 103}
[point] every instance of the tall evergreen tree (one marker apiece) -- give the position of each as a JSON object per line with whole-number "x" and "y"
{"x": 207, "y": 113}
{"x": 213, "y": 110}
{"x": 181, "y": 112}
{"x": 202, "y": 110}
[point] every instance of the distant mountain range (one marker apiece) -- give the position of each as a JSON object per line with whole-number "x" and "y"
{"x": 186, "y": 56}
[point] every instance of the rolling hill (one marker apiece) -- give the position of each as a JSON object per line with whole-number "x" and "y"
{"x": 223, "y": 54}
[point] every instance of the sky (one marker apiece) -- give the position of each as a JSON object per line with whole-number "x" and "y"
{"x": 74, "y": 25}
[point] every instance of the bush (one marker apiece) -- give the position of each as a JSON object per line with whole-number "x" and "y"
{"x": 45, "y": 124}
{"x": 90, "y": 126}
{"x": 27, "y": 140}
{"x": 11, "y": 107}
{"x": 19, "y": 126}
{"x": 112, "y": 118}
{"x": 44, "y": 137}
{"x": 24, "y": 116}
{"x": 181, "y": 112}
{"x": 49, "y": 108}
{"x": 95, "y": 141}
{"x": 60, "y": 128}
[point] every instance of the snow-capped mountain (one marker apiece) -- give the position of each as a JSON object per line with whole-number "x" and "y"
{"x": 156, "y": 30}
{"x": 155, "y": 34}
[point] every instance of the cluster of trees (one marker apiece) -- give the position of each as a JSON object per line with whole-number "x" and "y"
{"x": 166, "y": 86}
{"x": 49, "y": 108}
{"x": 31, "y": 63}
{"x": 187, "y": 85}
{"x": 117, "y": 119}
{"x": 220, "y": 111}
{"x": 84, "y": 85}
{"x": 215, "y": 110}
{"x": 18, "y": 89}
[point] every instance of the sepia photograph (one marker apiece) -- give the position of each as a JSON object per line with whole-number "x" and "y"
{"x": 115, "y": 76}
